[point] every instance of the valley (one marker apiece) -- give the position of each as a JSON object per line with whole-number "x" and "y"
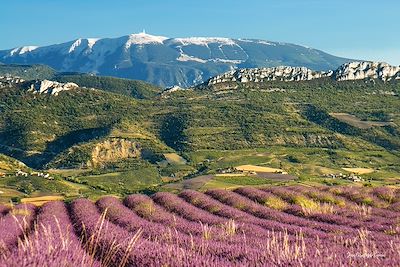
{"x": 126, "y": 136}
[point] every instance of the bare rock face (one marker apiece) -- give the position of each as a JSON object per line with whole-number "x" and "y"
{"x": 171, "y": 89}
{"x": 349, "y": 71}
{"x": 113, "y": 150}
{"x": 9, "y": 81}
{"x": 51, "y": 87}
{"x": 367, "y": 70}
{"x": 282, "y": 73}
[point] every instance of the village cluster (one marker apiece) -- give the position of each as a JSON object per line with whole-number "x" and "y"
{"x": 351, "y": 177}
{"x": 233, "y": 170}
{"x": 39, "y": 174}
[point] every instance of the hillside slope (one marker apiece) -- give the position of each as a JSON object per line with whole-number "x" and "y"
{"x": 246, "y": 115}
{"x": 36, "y": 127}
{"x": 116, "y": 144}
{"x": 134, "y": 88}
{"x": 27, "y": 72}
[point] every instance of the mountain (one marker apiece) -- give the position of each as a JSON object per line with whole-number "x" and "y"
{"x": 168, "y": 61}
{"x": 107, "y": 142}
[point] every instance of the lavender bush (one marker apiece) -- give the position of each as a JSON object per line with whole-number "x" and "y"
{"x": 273, "y": 226}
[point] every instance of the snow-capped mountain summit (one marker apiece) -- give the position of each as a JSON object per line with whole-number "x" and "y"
{"x": 203, "y": 41}
{"x": 143, "y": 39}
{"x": 83, "y": 43}
{"x": 168, "y": 61}
{"x": 22, "y": 50}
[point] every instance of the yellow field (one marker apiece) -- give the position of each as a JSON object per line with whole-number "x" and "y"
{"x": 6, "y": 194}
{"x": 359, "y": 170}
{"x": 254, "y": 168}
{"x": 5, "y": 166}
{"x": 39, "y": 201}
{"x": 174, "y": 158}
{"x": 167, "y": 179}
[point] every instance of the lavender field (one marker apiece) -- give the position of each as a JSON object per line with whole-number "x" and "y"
{"x": 272, "y": 226}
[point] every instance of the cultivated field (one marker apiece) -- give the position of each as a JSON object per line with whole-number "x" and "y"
{"x": 359, "y": 170}
{"x": 270, "y": 226}
{"x": 356, "y": 122}
{"x": 39, "y": 201}
{"x": 193, "y": 183}
{"x": 174, "y": 158}
{"x": 257, "y": 168}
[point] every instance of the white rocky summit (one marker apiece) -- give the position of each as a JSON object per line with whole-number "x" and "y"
{"x": 144, "y": 38}
{"x": 51, "y": 87}
{"x": 346, "y": 72}
{"x": 282, "y": 73}
{"x": 367, "y": 70}
{"x": 22, "y": 50}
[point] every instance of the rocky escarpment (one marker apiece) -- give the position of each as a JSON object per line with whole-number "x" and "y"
{"x": 367, "y": 70}
{"x": 346, "y": 72}
{"x": 51, "y": 87}
{"x": 97, "y": 154}
{"x": 282, "y": 73}
{"x": 113, "y": 150}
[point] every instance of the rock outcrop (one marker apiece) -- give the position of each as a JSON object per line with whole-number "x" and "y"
{"x": 51, "y": 87}
{"x": 346, "y": 72}
{"x": 114, "y": 149}
{"x": 9, "y": 81}
{"x": 367, "y": 70}
{"x": 282, "y": 73}
{"x": 171, "y": 89}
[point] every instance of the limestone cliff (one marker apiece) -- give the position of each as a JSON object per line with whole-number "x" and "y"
{"x": 51, "y": 87}
{"x": 282, "y": 73}
{"x": 346, "y": 72}
{"x": 113, "y": 150}
{"x": 367, "y": 70}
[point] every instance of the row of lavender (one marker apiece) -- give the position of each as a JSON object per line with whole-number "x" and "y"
{"x": 274, "y": 226}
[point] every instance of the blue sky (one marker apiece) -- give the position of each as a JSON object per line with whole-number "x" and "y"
{"x": 364, "y": 29}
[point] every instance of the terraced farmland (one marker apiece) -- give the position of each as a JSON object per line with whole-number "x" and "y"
{"x": 271, "y": 226}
